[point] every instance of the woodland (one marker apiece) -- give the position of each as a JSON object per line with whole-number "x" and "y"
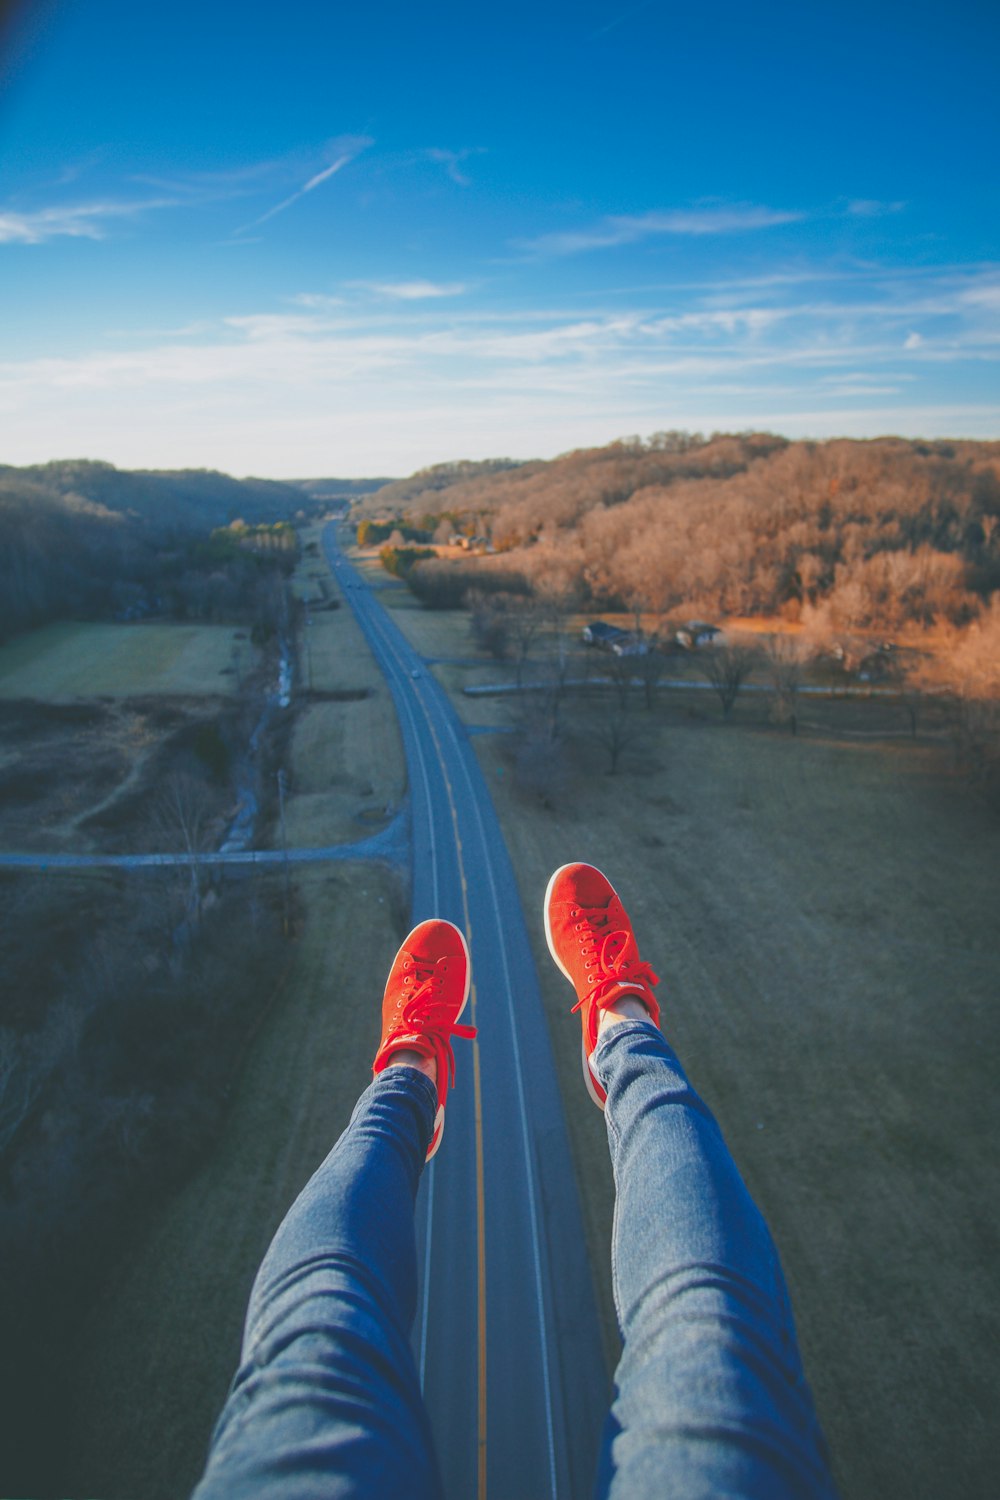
{"x": 875, "y": 535}
{"x": 83, "y": 540}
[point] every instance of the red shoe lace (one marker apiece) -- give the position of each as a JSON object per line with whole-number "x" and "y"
{"x": 614, "y": 968}
{"x": 425, "y": 1012}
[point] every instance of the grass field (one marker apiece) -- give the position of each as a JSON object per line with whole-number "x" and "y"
{"x": 822, "y": 912}
{"x": 153, "y": 1362}
{"x": 348, "y": 774}
{"x": 70, "y": 660}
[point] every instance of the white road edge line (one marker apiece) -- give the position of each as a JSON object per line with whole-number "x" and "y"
{"x": 392, "y": 659}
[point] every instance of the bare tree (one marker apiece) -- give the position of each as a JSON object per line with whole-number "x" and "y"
{"x": 785, "y": 656}
{"x": 525, "y": 620}
{"x": 182, "y": 815}
{"x": 622, "y": 672}
{"x": 650, "y": 665}
{"x": 977, "y": 665}
{"x": 540, "y": 752}
{"x": 489, "y": 622}
{"x": 617, "y": 731}
{"x": 726, "y": 668}
{"x": 896, "y": 673}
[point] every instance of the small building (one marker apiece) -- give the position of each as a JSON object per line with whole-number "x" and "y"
{"x": 630, "y": 645}
{"x": 599, "y": 633}
{"x": 696, "y": 633}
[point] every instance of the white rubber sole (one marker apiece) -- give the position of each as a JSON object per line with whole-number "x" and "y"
{"x": 437, "y": 1134}
{"x": 588, "y": 1076}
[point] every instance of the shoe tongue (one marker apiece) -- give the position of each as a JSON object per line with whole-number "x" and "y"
{"x": 619, "y": 944}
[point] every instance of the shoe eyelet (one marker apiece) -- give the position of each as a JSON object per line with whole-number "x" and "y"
{"x": 592, "y": 979}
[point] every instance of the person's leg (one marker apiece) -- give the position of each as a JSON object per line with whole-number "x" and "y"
{"x": 711, "y": 1399}
{"x": 326, "y": 1400}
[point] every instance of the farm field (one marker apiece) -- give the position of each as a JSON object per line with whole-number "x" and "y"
{"x": 70, "y": 660}
{"x": 821, "y": 910}
{"x": 347, "y": 770}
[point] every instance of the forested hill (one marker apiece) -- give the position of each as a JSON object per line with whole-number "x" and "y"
{"x": 86, "y": 539}
{"x": 875, "y": 531}
{"x": 186, "y": 498}
{"x": 422, "y": 491}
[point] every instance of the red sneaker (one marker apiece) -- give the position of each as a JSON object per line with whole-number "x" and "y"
{"x": 425, "y": 994}
{"x": 591, "y": 939}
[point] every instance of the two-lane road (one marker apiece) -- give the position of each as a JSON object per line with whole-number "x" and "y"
{"x": 506, "y": 1334}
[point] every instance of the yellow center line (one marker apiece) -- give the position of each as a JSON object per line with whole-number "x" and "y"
{"x": 480, "y": 1192}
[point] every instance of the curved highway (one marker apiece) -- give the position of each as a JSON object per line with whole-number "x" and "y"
{"x": 506, "y": 1332}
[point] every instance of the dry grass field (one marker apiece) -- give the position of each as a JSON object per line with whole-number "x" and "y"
{"x": 822, "y": 913}
{"x": 70, "y": 660}
{"x": 84, "y": 777}
{"x": 347, "y": 774}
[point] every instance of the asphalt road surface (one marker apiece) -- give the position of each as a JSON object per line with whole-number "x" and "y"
{"x": 506, "y": 1333}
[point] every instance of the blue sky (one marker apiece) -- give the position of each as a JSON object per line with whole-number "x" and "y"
{"x": 317, "y": 238}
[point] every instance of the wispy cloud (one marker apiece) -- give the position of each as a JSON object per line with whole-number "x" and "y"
{"x": 871, "y": 208}
{"x": 362, "y": 373}
{"x": 626, "y": 229}
{"x": 321, "y": 301}
{"x": 92, "y": 218}
{"x": 452, "y": 161}
{"x": 413, "y": 291}
{"x": 342, "y": 150}
{"x": 82, "y": 221}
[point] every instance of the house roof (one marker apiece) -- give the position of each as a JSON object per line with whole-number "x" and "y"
{"x": 603, "y": 629}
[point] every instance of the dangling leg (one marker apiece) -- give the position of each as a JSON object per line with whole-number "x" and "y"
{"x": 326, "y": 1399}
{"x": 711, "y": 1397}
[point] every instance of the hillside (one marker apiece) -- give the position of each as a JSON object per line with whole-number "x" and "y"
{"x": 171, "y": 498}
{"x": 867, "y": 534}
{"x": 422, "y": 493}
{"x": 86, "y": 540}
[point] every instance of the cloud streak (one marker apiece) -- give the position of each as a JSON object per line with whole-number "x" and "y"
{"x": 626, "y": 229}
{"x": 452, "y": 161}
{"x": 413, "y": 291}
{"x": 345, "y": 149}
{"x": 80, "y": 221}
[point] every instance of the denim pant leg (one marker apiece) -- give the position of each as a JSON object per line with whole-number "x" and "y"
{"x": 326, "y": 1400}
{"x": 711, "y": 1399}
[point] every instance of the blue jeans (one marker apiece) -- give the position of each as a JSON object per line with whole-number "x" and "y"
{"x": 710, "y": 1396}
